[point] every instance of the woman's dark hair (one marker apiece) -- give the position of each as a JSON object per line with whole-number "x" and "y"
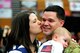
{"x": 19, "y": 34}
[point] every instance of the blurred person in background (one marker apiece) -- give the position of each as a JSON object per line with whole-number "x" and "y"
{"x": 24, "y": 29}
{"x": 1, "y": 41}
{"x": 78, "y": 37}
{"x": 6, "y": 31}
{"x": 4, "y": 34}
{"x": 79, "y": 41}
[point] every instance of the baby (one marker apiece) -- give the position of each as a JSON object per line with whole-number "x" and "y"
{"x": 60, "y": 40}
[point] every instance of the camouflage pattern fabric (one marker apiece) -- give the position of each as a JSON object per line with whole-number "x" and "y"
{"x": 73, "y": 47}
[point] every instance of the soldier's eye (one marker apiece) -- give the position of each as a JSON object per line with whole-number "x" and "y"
{"x": 50, "y": 20}
{"x": 43, "y": 20}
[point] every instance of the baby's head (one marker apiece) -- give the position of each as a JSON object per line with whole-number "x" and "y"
{"x": 62, "y": 35}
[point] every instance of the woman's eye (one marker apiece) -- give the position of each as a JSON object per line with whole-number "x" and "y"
{"x": 34, "y": 21}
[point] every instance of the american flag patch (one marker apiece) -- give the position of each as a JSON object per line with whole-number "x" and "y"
{"x": 46, "y": 48}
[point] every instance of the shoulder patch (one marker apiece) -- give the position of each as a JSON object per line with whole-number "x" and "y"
{"x": 46, "y": 48}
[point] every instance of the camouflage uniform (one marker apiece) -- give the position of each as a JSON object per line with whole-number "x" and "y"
{"x": 73, "y": 47}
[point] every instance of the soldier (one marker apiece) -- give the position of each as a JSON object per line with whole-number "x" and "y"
{"x": 52, "y": 18}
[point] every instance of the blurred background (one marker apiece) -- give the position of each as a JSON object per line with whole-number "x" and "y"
{"x": 8, "y": 8}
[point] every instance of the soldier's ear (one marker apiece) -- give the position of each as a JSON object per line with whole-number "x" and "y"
{"x": 62, "y": 22}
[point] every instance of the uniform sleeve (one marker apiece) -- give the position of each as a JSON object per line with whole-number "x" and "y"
{"x": 72, "y": 48}
{"x": 76, "y": 50}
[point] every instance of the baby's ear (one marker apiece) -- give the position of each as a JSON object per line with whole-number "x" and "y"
{"x": 55, "y": 37}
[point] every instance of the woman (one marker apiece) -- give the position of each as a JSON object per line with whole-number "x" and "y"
{"x": 25, "y": 28}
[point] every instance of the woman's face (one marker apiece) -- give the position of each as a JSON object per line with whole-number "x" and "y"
{"x": 34, "y": 24}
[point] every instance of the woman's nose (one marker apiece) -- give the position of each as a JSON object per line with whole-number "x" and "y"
{"x": 39, "y": 22}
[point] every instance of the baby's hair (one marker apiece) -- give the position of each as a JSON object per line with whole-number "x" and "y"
{"x": 61, "y": 31}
